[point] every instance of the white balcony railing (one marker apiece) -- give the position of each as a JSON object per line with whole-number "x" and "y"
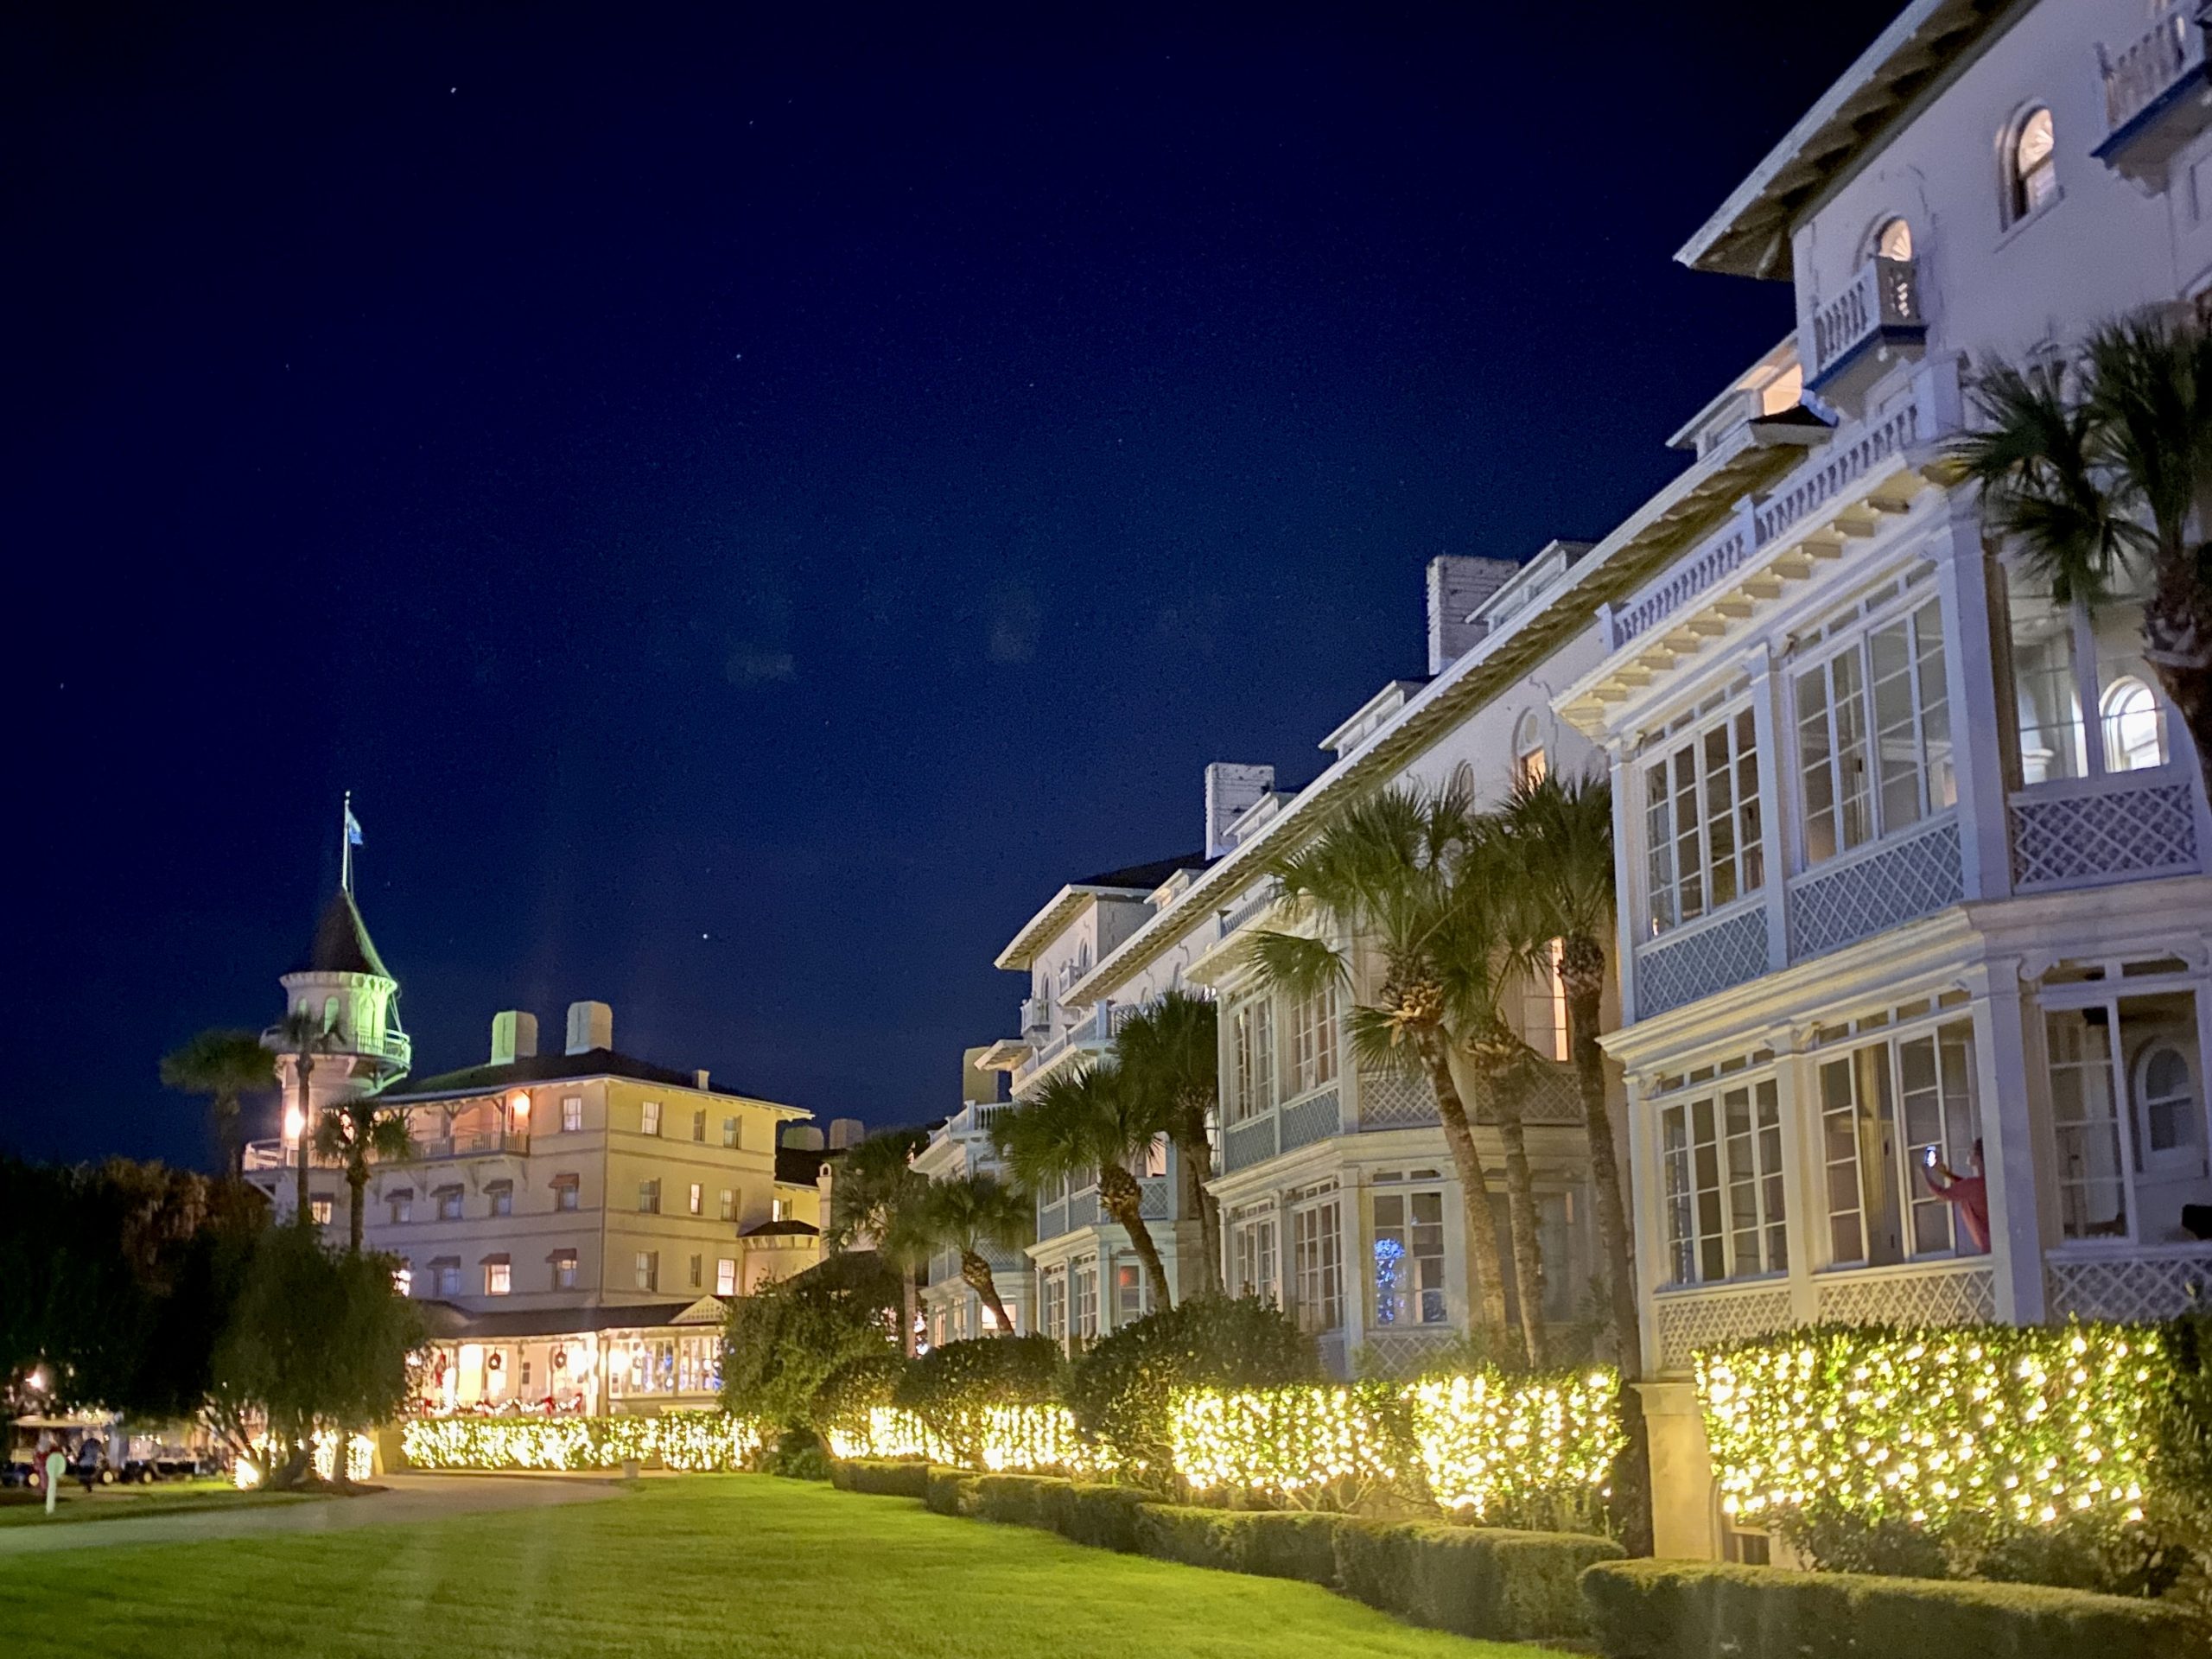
{"x": 1883, "y": 298}
{"x": 2140, "y": 75}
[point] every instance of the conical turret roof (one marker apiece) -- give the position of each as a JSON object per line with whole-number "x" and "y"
{"x": 342, "y": 944}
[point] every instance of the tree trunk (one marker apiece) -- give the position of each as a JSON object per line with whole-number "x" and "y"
{"x": 981, "y": 1280}
{"x": 2177, "y": 645}
{"x": 357, "y": 1188}
{"x": 1507, "y": 1074}
{"x": 306, "y": 1214}
{"x": 1582, "y": 975}
{"x": 1195, "y": 1158}
{"x": 228, "y": 1143}
{"x": 909, "y": 1303}
{"x": 1121, "y": 1197}
{"x": 1488, "y": 1292}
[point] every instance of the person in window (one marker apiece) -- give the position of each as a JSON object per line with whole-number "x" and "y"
{"x": 1966, "y": 1194}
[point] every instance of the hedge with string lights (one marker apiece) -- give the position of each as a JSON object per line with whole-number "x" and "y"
{"x": 690, "y": 1441}
{"x": 1941, "y": 1432}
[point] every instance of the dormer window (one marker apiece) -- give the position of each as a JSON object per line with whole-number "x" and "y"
{"x": 2031, "y": 165}
{"x": 1894, "y": 241}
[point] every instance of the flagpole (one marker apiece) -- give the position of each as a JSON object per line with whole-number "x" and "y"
{"x": 345, "y": 843}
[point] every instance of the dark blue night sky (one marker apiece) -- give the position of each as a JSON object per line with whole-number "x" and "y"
{"x": 749, "y": 508}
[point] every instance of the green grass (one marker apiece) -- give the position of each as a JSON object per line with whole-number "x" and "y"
{"x": 736, "y": 1564}
{"x": 123, "y": 1503}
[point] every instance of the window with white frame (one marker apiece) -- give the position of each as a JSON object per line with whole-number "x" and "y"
{"x": 1409, "y": 1256}
{"x": 1132, "y": 1297}
{"x": 1530, "y": 764}
{"x": 564, "y": 1269}
{"x": 649, "y": 1118}
{"x": 500, "y": 1199}
{"x": 727, "y": 1201}
{"x": 1252, "y": 1059}
{"x": 566, "y": 1192}
{"x": 725, "y": 1275}
{"x": 1543, "y": 1005}
{"x": 403, "y": 1205}
{"x": 448, "y": 1269}
{"x": 499, "y": 1275}
{"x": 1884, "y": 1109}
{"x": 2127, "y": 1116}
{"x": 698, "y": 1198}
{"x": 1083, "y": 1298}
{"x": 698, "y": 1271}
{"x": 1316, "y": 1266}
{"x": 730, "y": 1132}
{"x": 1721, "y": 1159}
{"x": 1874, "y": 735}
{"x": 2030, "y": 164}
{"x": 1255, "y": 1247}
{"x": 699, "y": 1126}
{"x": 449, "y": 1199}
{"x": 1052, "y": 1299}
{"x": 1313, "y": 1040}
{"x": 649, "y": 1198}
{"x": 572, "y": 1113}
{"x": 319, "y": 1209}
{"x": 646, "y": 1269}
{"x": 1702, "y": 847}
{"x": 2069, "y": 657}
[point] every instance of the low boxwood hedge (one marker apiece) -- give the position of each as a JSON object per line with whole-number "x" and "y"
{"x": 950, "y": 1491}
{"x": 1478, "y": 1582}
{"x": 1684, "y": 1609}
{"x": 1092, "y": 1513}
{"x": 1268, "y": 1543}
{"x": 1013, "y": 1500}
{"x": 884, "y": 1476}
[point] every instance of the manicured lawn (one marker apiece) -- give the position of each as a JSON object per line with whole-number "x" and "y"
{"x": 735, "y": 1565}
{"x": 120, "y": 1503}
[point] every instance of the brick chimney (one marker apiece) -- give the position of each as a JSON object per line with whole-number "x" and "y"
{"x": 1457, "y": 584}
{"x": 1230, "y": 789}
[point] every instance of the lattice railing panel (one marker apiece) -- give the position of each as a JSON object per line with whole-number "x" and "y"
{"x": 1082, "y": 1211}
{"x": 1158, "y": 1198}
{"x": 1405, "y": 1353}
{"x": 1052, "y": 1221}
{"x": 1692, "y": 1319}
{"x": 1305, "y": 1121}
{"x": 2126, "y": 1288}
{"x": 1672, "y": 973}
{"x": 1948, "y": 1294}
{"x": 1247, "y": 1144}
{"x": 2071, "y": 838}
{"x": 1830, "y": 910}
{"x": 1392, "y": 1100}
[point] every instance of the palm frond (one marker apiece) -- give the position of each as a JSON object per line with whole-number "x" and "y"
{"x": 1293, "y": 963}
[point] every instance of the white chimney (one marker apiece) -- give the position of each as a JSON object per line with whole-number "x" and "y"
{"x": 846, "y": 1132}
{"x": 514, "y": 1036}
{"x": 591, "y": 1024}
{"x": 699, "y": 1079}
{"x": 1457, "y": 585}
{"x": 1230, "y": 789}
{"x": 803, "y": 1137}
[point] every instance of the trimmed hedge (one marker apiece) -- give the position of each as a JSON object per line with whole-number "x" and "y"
{"x": 950, "y": 1491}
{"x": 882, "y": 1476}
{"x": 1092, "y": 1513}
{"x": 1267, "y": 1543}
{"x": 1478, "y": 1582}
{"x": 1012, "y": 1500}
{"x": 1684, "y": 1609}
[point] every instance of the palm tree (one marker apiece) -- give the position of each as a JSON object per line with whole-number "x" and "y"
{"x": 225, "y": 1066}
{"x": 1383, "y": 872}
{"x": 972, "y": 1214}
{"x": 2093, "y": 468}
{"x": 355, "y": 1133}
{"x": 1555, "y": 837}
{"x": 875, "y": 1201}
{"x": 1086, "y": 1124}
{"x": 303, "y": 1036}
{"x": 1169, "y": 1051}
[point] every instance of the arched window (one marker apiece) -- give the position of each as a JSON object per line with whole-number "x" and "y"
{"x": 2135, "y": 736}
{"x": 2030, "y": 164}
{"x": 2170, "y": 1124}
{"x": 1530, "y": 764}
{"x": 1893, "y": 240}
{"x": 1463, "y": 781}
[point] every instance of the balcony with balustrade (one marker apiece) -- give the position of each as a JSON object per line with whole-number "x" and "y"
{"x": 1375, "y": 1100}
{"x": 2156, "y": 95}
{"x": 1858, "y": 333}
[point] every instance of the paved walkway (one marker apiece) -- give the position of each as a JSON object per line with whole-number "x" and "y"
{"x": 410, "y": 1498}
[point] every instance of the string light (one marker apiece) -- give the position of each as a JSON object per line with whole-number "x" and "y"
{"x": 690, "y": 1440}
{"x": 1487, "y": 1439}
{"x": 1933, "y": 1426}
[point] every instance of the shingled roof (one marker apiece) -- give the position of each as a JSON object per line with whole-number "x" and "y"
{"x": 342, "y": 944}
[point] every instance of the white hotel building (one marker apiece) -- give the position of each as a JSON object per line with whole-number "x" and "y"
{"x": 1909, "y": 857}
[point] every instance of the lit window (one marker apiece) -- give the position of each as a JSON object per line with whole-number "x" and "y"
{"x": 698, "y": 1194}
{"x": 572, "y": 1115}
{"x": 1702, "y": 844}
{"x": 728, "y": 1204}
{"x": 699, "y": 1126}
{"x": 2124, "y": 1081}
{"x": 2034, "y": 164}
{"x": 498, "y": 1278}
{"x": 649, "y": 1118}
{"x": 725, "y": 1276}
{"x": 1409, "y": 1258}
{"x": 730, "y": 1132}
{"x": 776, "y": 1210}
{"x": 1883, "y": 1110}
{"x": 649, "y": 1198}
{"x": 2135, "y": 735}
{"x": 1131, "y": 1299}
{"x": 2067, "y": 658}
{"x": 1894, "y": 241}
{"x": 1543, "y": 1007}
{"x": 565, "y": 1270}
{"x": 647, "y": 1268}
{"x": 319, "y": 1208}
{"x": 1530, "y": 764}
{"x": 566, "y": 1190}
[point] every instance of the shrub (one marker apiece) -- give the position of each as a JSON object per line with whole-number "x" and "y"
{"x": 1674, "y": 1609}
{"x": 847, "y": 1397}
{"x": 799, "y": 1455}
{"x": 1088, "y": 1512}
{"x": 1120, "y": 1390}
{"x": 881, "y": 1476}
{"x": 950, "y": 1491}
{"x": 1268, "y": 1543}
{"x": 953, "y": 1389}
{"x": 1475, "y": 1581}
{"x": 783, "y": 1342}
{"x": 1013, "y": 1500}
{"x": 2181, "y": 1503}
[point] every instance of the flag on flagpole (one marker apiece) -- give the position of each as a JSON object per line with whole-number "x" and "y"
{"x": 352, "y": 828}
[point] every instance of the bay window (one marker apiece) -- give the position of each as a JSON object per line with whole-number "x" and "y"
{"x": 2067, "y": 659}
{"x": 1720, "y": 1160}
{"x": 1317, "y": 1267}
{"x": 2128, "y": 1120}
{"x": 1884, "y": 1108}
{"x": 1410, "y": 1257}
{"x": 1313, "y": 1040}
{"x": 1251, "y": 1059}
{"x": 1255, "y": 1245}
{"x": 1083, "y": 1299}
{"x": 1702, "y": 848}
{"x": 1052, "y": 1302}
{"x": 1874, "y": 735}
